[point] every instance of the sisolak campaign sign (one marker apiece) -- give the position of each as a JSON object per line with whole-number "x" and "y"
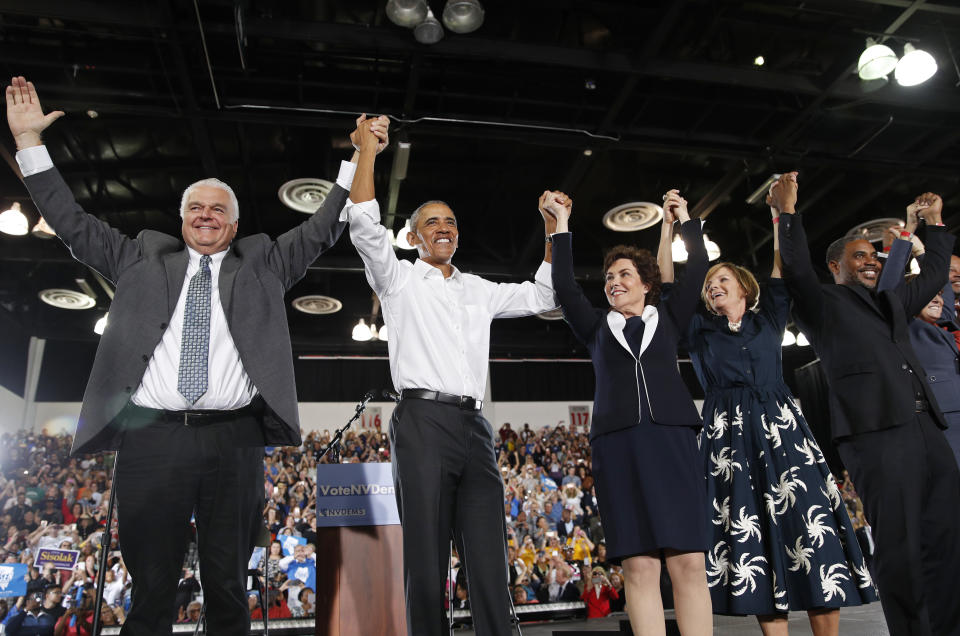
{"x": 13, "y": 579}
{"x": 60, "y": 559}
{"x": 355, "y": 495}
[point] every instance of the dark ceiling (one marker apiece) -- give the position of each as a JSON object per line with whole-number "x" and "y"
{"x": 662, "y": 95}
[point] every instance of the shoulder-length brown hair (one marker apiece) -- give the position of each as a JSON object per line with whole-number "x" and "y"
{"x": 748, "y": 283}
{"x": 644, "y": 261}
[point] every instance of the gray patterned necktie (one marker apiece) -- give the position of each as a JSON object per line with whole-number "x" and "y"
{"x": 195, "y": 340}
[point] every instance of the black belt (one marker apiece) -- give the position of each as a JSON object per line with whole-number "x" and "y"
{"x": 196, "y": 418}
{"x": 465, "y": 402}
{"x": 923, "y": 406}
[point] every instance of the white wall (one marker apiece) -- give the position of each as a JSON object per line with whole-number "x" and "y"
{"x": 11, "y": 410}
{"x": 59, "y": 417}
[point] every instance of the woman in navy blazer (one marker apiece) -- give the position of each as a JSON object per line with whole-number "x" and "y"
{"x": 644, "y": 433}
{"x": 936, "y": 344}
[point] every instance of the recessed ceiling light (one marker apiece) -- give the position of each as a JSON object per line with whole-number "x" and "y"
{"x": 872, "y": 230}
{"x": 304, "y": 195}
{"x": 317, "y": 305}
{"x": 633, "y": 216}
{"x": 758, "y": 61}
{"x": 67, "y": 299}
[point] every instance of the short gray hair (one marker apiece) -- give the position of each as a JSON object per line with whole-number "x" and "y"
{"x": 415, "y": 217}
{"x": 213, "y": 183}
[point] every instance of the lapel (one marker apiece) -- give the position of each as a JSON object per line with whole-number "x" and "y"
{"x": 616, "y": 322}
{"x": 228, "y": 274}
{"x": 866, "y": 297}
{"x": 175, "y": 264}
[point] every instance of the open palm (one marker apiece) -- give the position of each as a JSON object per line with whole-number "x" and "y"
{"x": 24, "y": 113}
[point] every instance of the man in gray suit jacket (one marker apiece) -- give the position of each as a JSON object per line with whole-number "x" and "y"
{"x": 193, "y": 375}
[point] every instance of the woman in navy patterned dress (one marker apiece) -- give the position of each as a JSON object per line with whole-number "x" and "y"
{"x": 782, "y": 539}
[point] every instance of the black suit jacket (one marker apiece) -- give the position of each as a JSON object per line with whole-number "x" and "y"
{"x": 149, "y": 272}
{"x": 616, "y": 403}
{"x": 861, "y": 336}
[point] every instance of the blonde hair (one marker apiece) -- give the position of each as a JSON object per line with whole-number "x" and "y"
{"x": 748, "y": 283}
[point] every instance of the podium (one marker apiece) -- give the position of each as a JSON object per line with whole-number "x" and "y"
{"x": 359, "y": 561}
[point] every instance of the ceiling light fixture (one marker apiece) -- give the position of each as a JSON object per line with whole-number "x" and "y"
{"x": 101, "y": 324}
{"x": 429, "y": 31}
{"x": 788, "y": 338}
{"x": 304, "y": 195}
{"x": 758, "y": 61}
{"x": 915, "y": 67}
{"x": 361, "y": 331}
{"x": 876, "y": 61}
{"x": 633, "y": 216}
{"x": 401, "y": 242}
{"x": 13, "y": 222}
{"x": 463, "y": 16}
{"x": 713, "y": 250}
{"x": 43, "y": 230}
{"x": 802, "y": 340}
{"x": 679, "y": 250}
{"x": 407, "y": 13}
{"x": 382, "y": 334}
{"x": 317, "y": 305}
{"x": 67, "y": 299}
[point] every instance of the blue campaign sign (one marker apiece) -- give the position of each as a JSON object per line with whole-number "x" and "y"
{"x": 289, "y": 543}
{"x": 13, "y": 579}
{"x": 355, "y": 495}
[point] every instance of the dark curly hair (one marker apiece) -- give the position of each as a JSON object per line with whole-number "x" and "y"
{"x": 644, "y": 261}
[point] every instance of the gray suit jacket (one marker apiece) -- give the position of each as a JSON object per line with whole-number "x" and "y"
{"x": 148, "y": 272}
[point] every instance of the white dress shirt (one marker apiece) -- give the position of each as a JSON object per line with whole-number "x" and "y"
{"x": 439, "y": 327}
{"x": 228, "y": 385}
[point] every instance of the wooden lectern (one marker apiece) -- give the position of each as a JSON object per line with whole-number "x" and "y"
{"x": 360, "y": 581}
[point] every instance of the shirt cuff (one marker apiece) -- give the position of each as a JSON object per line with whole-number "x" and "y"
{"x": 370, "y": 209}
{"x": 33, "y": 160}
{"x": 345, "y": 177}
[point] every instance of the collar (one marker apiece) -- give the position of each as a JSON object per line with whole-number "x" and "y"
{"x": 650, "y": 317}
{"x": 215, "y": 258}
{"x": 425, "y": 270}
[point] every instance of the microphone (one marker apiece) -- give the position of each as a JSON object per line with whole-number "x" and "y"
{"x": 369, "y": 395}
{"x": 391, "y": 395}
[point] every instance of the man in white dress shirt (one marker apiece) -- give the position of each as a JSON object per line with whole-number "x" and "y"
{"x": 193, "y": 374}
{"x": 445, "y": 473}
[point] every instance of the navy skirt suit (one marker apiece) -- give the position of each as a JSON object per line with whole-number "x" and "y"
{"x": 650, "y": 491}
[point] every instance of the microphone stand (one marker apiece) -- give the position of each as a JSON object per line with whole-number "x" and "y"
{"x": 334, "y": 446}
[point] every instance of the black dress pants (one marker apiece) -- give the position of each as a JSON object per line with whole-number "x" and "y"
{"x": 909, "y": 483}
{"x": 166, "y": 472}
{"x": 448, "y": 486}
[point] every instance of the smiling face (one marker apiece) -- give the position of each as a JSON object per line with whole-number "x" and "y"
{"x": 955, "y": 273}
{"x": 625, "y": 290}
{"x": 209, "y": 220}
{"x": 857, "y": 266}
{"x": 724, "y": 293}
{"x": 931, "y": 313}
{"x": 436, "y": 234}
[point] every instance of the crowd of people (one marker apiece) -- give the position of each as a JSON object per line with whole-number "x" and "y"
{"x": 556, "y": 544}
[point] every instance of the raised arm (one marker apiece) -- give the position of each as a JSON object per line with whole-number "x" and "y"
{"x": 685, "y": 296}
{"x": 509, "y": 300}
{"x": 371, "y": 239}
{"x": 665, "y": 248}
{"x": 936, "y": 263}
{"x": 90, "y": 240}
{"x": 294, "y": 251}
{"x": 798, "y": 272}
{"x": 577, "y": 310}
{"x": 777, "y": 270}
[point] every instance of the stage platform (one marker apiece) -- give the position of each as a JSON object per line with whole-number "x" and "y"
{"x": 854, "y": 621}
